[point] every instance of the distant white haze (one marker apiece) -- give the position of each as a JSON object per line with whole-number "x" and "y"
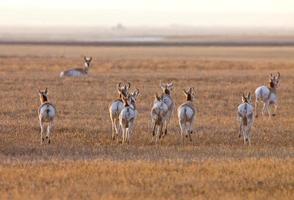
{"x": 238, "y": 13}
{"x": 148, "y": 20}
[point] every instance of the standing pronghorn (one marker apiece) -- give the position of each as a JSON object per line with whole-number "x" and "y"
{"x": 128, "y": 116}
{"x": 47, "y": 114}
{"x": 246, "y": 118}
{"x": 78, "y": 72}
{"x": 268, "y": 95}
{"x": 159, "y": 113}
{"x": 168, "y": 100}
{"x": 116, "y": 107}
{"x": 187, "y": 114}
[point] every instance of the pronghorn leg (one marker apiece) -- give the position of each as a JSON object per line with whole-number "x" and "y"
{"x": 116, "y": 128}
{"x": 249, "y": 136}
{"x": 268, "y": 109}
{"x": 112, "y": 130}
{"x": 166, "y": 124}
{"x": 263, "y": 109}
{"x": 275, "y": 111}
{"x": 160, "y": 132}
{"x": 49, "y": 129}
{"x": 240, "y": 131}
{"x": 130, "y": 130}
{"x": 154, "y": 129}
{"x": 190, "y": 131}
{"x": 256, "y": 111}
{"x": 42, "y": 130}
{"x": 183, "y": 130}
{"x": 244, "y": 136}
{"x": 123, "y": 135}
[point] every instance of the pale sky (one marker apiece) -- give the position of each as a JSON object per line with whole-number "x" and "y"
{"x": 147, "y": 12}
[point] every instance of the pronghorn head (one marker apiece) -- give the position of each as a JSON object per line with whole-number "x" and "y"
{"x": 87, "y": 61}
{"x": 274, "y": 80}
{"x": 123, "y": 90}
{"x": 126, "y": 101}
{"x": 43, "y": 95}
{"x": 167, "y": 88}
{"x": 190, "y": 94}
{"x": 133, "y": 96}
{"x": 246, "y": 99}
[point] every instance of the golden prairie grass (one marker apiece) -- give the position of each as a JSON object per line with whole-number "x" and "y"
{"x": 83, "y": 162}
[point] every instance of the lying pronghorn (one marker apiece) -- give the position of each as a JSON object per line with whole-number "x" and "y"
{"x": 78, "y": 72}
{"x": 128, "y": 116}
{"x": 187, "y": 114}
{"x": 159, "y": 113}
{"x": 168, "y": 100}
{"x": 268, "y": 95}
{"x": 116, "y": 107}
{"x": 47, "y": 114}
{"x": 246, "y": 118}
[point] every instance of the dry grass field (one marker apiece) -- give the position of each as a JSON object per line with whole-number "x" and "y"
{"x": 83, "y": 163}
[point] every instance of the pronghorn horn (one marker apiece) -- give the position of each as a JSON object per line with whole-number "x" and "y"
{"x": 185, "y": 92}
{"x": 85, "y": 58}
{"x": 190, "y": 90}
{"x": 161, "y": 84}
{"x": 119, "y": 85}
{"x": 170, "y": 84}
{"x": 193, "y": 90}
{"x": 137, "y": 91}
{"x": 129, "y": 85}
{"x": 248, "y": 95}
{"x": 278, "y": 75}
{"x": 46, "y": 90}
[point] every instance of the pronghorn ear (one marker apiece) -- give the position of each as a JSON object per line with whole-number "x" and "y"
{"x": 170, "y": 85}
{"x": 243, "y": 97}
{"x": 161, "y": 85}
{"x": 157, "y": 97}
{"x": 193, "y": 91}
{"x": 39, "y": 91}
{"x": 119, "y": 85}
{"x": 185, "y": 92}
{"x": 85, "y": 58}
{"x": 279, "y": 75}
{"x": 129, "y": 85}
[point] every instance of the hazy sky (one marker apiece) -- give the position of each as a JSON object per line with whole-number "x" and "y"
{"x": 148, "y": 12}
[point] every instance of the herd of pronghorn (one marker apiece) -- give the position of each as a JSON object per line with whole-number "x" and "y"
{"x": 123, "y": 112}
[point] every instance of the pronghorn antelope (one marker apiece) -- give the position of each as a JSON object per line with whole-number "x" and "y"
{"x": 168, "y": 100}
{"x": 78, "y": 72}
{"x": 128, "y": 116}
{"x": 268, "y": 95}
{"x": 47, "y": 113}
{"x": 187, "y": 114}
{"x": 246, "y": 118}
{"x": 159, "y": 113}
{"x": 116, "y": 107}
